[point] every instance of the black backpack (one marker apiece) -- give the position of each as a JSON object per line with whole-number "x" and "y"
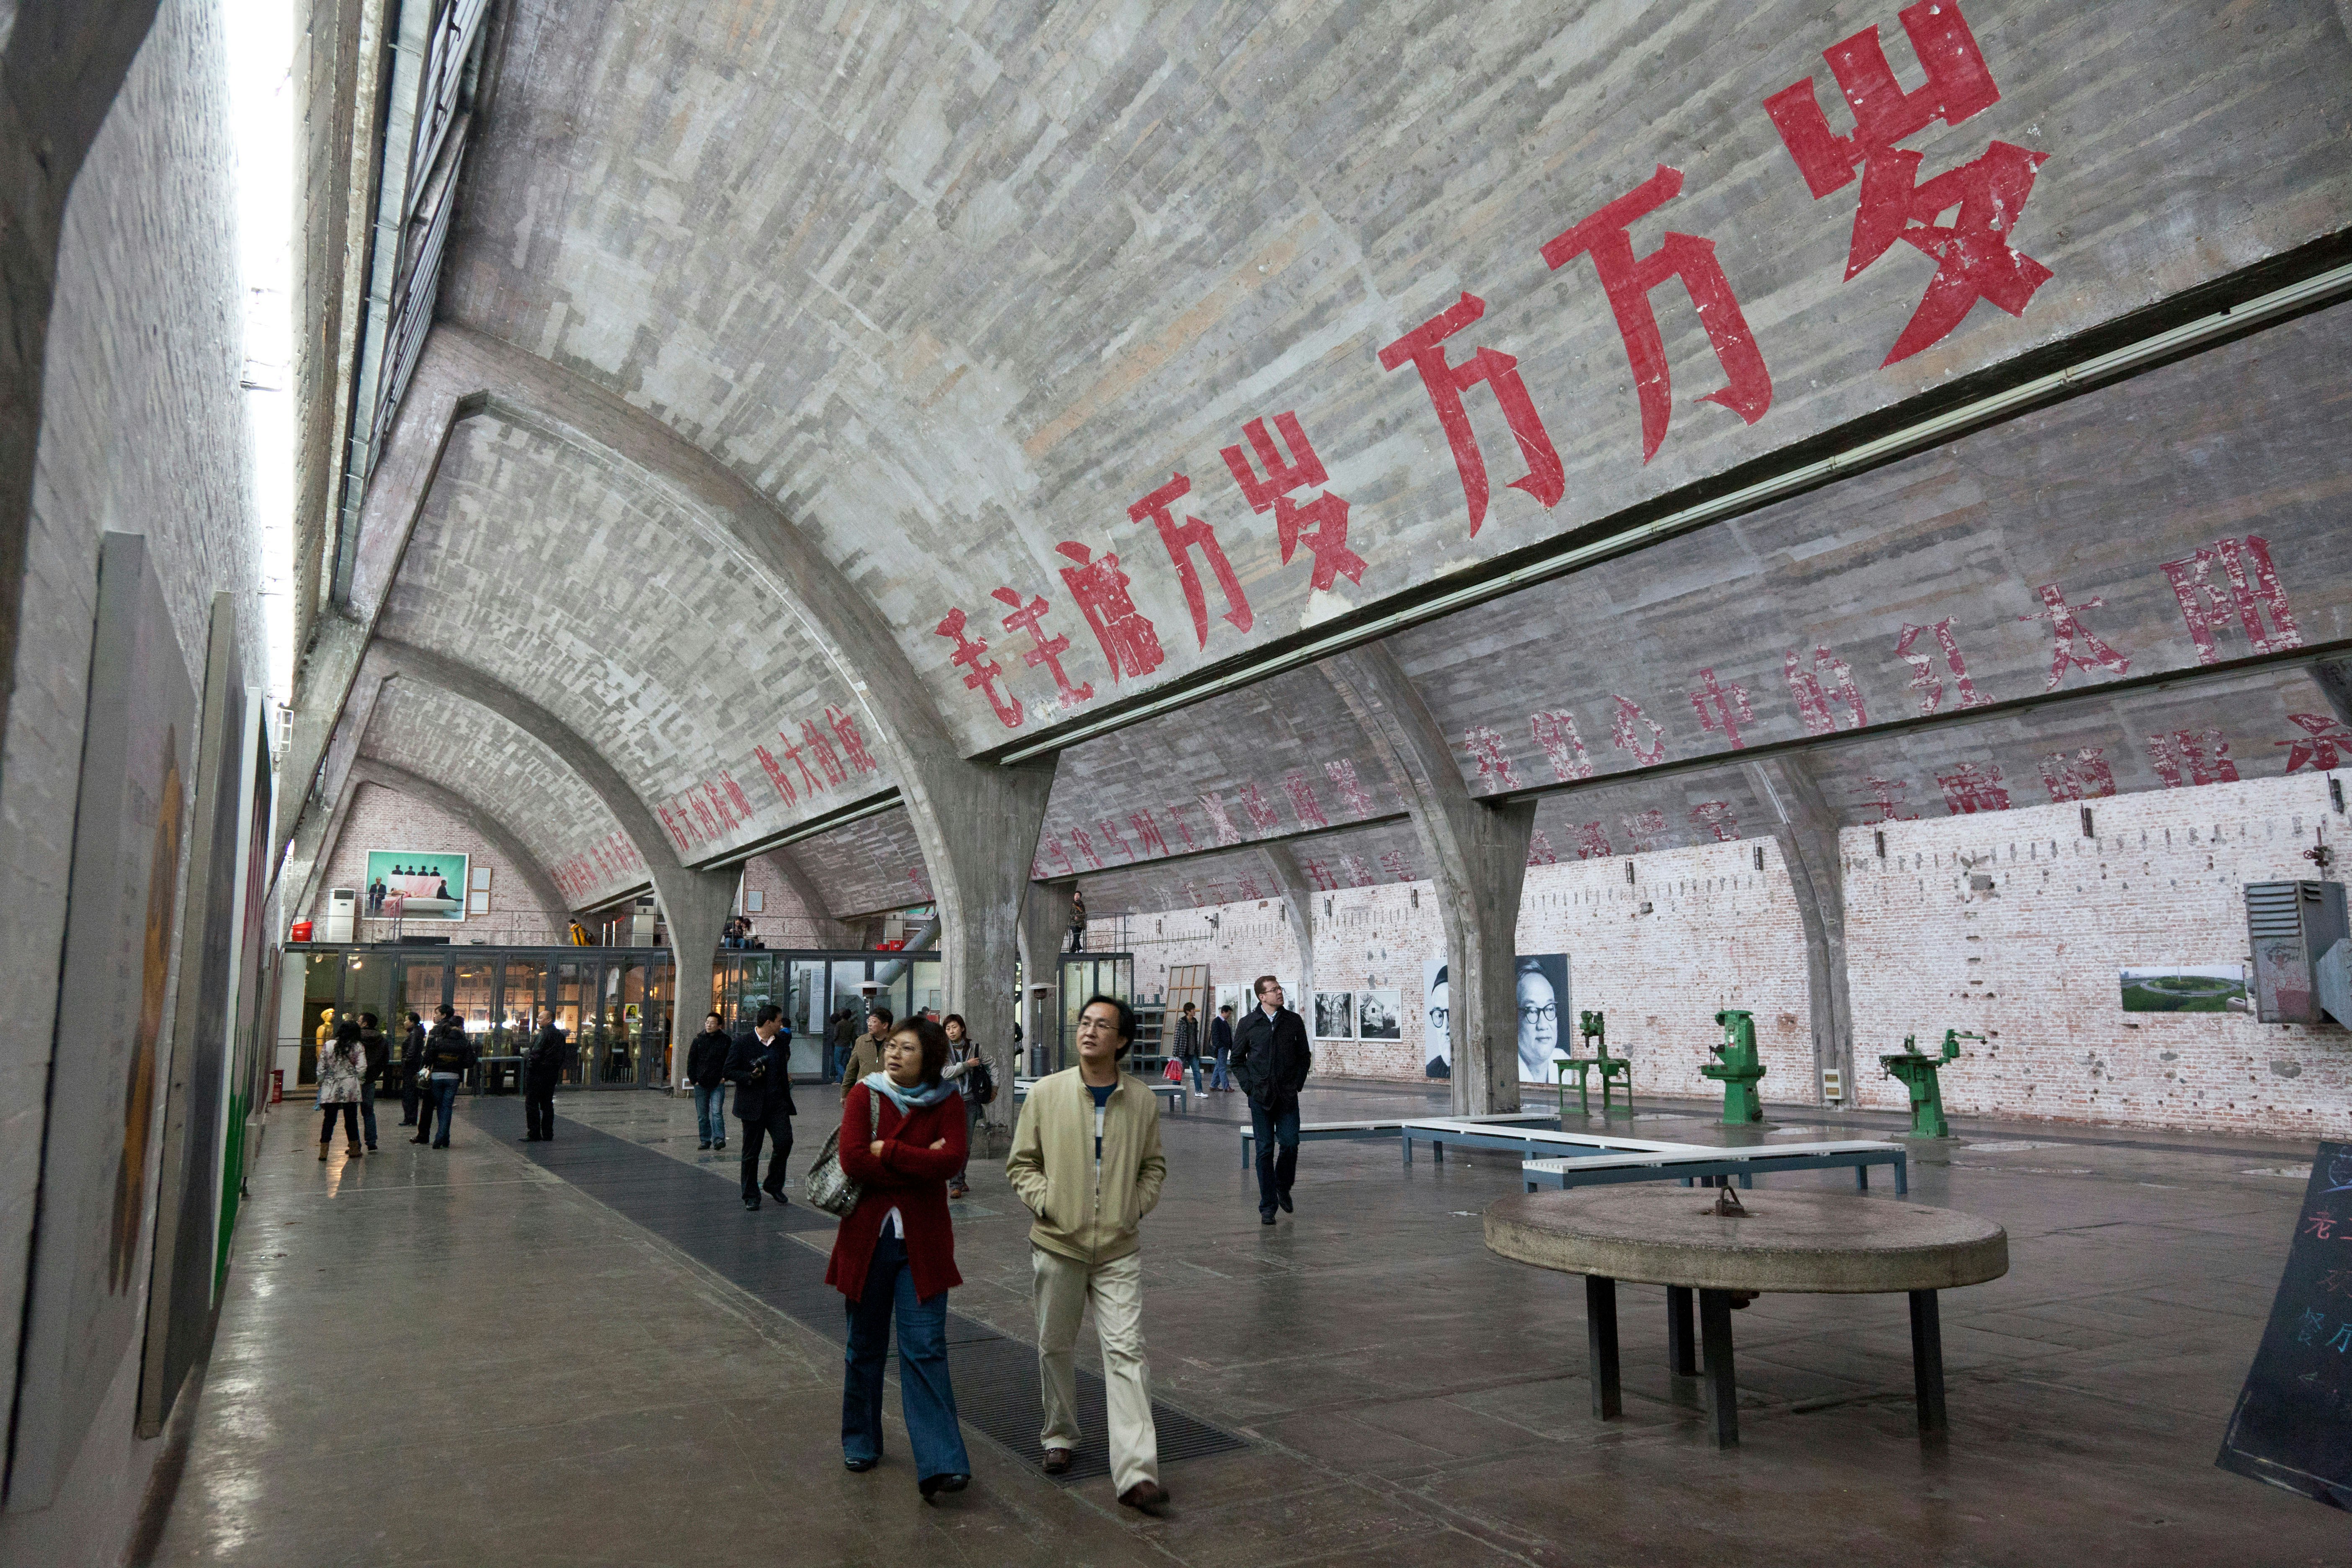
{"x": 984, "y": 1082}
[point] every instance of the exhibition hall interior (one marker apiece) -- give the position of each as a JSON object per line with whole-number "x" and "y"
{"x": 636, "y": 938}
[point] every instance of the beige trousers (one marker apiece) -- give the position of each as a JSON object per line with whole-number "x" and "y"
{"x": 1063, "y": 1287}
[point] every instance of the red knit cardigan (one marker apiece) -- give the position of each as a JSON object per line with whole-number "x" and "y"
{"x": 909, "y": 1177}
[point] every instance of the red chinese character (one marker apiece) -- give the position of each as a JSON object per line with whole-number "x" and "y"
{"x": 1722, "y": 708}
{"x": 1591, "y": 843}
{"x": 1326, "y": 512}
{"x": 1192, "y": 891}
{"x": 1883, "y": 793}
{"x": 1309, "y": 810}
{"x": 1147, "y": 831}
{"x": 1085, "y": 846}
{"x": 1321, "y": 876}
{"x": 809, "y": 781}
{"x": 1643, "y": 829}
{"x": 1562, "y": 746}
{"x": 1393, "y": 862}
{"x": 820, "y": 746}
{"x": 2324, "y": 743}
{"x": 2065, "y": 630}
{"x": 1247, "y": 887}
{"x": 700, "y": 813}
{"x": 1056, "y": 856}
{"x": 1813, "y": 702}
{"x": 1342, "y": 774}
{"x": 670, "y": 822}
{"x": 1262, "y": 815}
{"x": 2083, "y": 776}
{"x": 1715, "y": 815}
{"x": 1972, "y": 788}
{"x": 719, "y": 805}
{"x": 1924, "y": 679}
{"x": 1486, "y": 747}
{"x": 1973, "y": 257}
{"x": 769, "y": 765}
{"x": 1100, "y": 590}
{"x": 1540, "y": 850}
{"x": 1220, "y": 824}
{"x": 1180, "y": 544}
{"x": 1112, "y": 836}
{"x": 2187, "y": 757}
{"x": 1628, "y": 280}
{"x": 1183, "y": 829}
{"x": 1043, "y": 649}
{"x": 852, "y": 744}
{"x": 735, "y": 793}
{"x": 1621, "y": 735}
{"x": 1424, "y": 346}
{"x": 2253, "y": 588}
{"x": 2319, "y": 1224}
{"x": 1359, "y": 873}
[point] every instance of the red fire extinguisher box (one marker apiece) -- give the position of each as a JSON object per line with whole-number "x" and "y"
{"x": 301, "y": 931}
{"x": 277, "y": 1085}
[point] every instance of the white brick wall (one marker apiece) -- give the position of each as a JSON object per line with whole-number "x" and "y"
{"x": 2033, "y": 963}
{"x": 382, "y": 818}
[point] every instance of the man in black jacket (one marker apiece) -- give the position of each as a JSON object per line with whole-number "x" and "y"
{"x": 763, "y": 1102}
{"x": 413, "y": 1091}
{"x": 379, "y": 1057}
{"x": 706, "y": 1070}
{"x": 542, "y": 1068}
{"x": 1271, "y": 1060}
{"x": 450, "y": 1056}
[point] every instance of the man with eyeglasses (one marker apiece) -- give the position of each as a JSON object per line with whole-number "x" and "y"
{"x": 1539, "y": 1020}
{"x": 1271, "y": 1058}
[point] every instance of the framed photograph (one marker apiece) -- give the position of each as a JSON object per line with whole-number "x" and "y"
{"x": 481, "y": 879}
{"x": 414, "y": 884}
{"x": 1379, "y": 1015}
{"x": 1437, "y": 1039}
{"x": 1234, "y": 996}
{"x": 1334, "y": 1014}
{"x": 755, "y": 901}
{"x": 2185, "y": 988}
{"x": 1541, "y": 980}
{"x": 477, "y": 903}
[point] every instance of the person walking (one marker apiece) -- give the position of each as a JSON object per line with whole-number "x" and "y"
{"x": 706, "y": 1069}
{"x": 1271, "y": 1058}
{"x": 549, "y": 1053}
{"x": 902, "y": 1134}
{"x": 343, "y": 1073}
{"x": 450, "y": 1056}
{"x": 838, "y": 1040}
{"x": 1221, "y": 1043}
{"x": 1077, "y": 918}
{"x": 1086, "y": 1161}
{"x": 968, "y": 1070}
{"x": 1187, "y": 1043}
{"x": 866, "y": 1056}
{"x": 763, "y": 1102}
{"x": 379, "y": 1057}
{"x": 413, "y": 1092}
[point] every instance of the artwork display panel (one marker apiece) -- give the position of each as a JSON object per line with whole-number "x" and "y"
{"x": 1379, "y": 1015}
{"x": 2185, "y": 988}
{"x": 414, "y": 884}
{"x": 1334, "y": 1014}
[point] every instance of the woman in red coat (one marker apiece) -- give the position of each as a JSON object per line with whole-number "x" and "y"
{"x": 902, "y": 1135}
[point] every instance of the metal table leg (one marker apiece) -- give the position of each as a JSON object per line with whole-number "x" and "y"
{"x": 1722, "y": 1391}
{"x": 1927, "y": 1360}
{"x": 1682, "y": 1351}
{"x": 1601, "y": 1340}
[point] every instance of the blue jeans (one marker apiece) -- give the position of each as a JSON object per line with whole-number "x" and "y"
{"x": 1196, "y": 1075}
{"x": 1275, "y": 1171}
{"x": 710, "y": 1113}
{"x": 1221, "y": 1079}
{"x": 445, "y": 1096}
{"x": 367, "y": 1112}
{"x": 925, "y": 1392}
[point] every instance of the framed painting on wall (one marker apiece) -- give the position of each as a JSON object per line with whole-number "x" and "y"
{"x": 1379, "y": 1015}
{"x": 414, "y": 884}
{"x": 1334, "y": 1014}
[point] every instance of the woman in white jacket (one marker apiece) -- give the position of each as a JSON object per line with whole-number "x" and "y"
{"x": 343, "y": 1068}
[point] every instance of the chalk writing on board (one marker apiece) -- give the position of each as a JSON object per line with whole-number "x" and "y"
{"x": 2293, "y": 1424}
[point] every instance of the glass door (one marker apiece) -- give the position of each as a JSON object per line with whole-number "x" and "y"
{"x": 522, "y": 987}
{"x": 656, "y": 1032}
{"x": 572, "y": 994}
{"x": 810, "y": 1017}
{"x": 620, "y": 1039}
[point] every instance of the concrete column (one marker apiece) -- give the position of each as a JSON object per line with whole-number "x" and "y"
{"x": 1478, "y": 855}
{"x": 696, "y": 905}
{"x": 1045, "y": 926}
{"x": 1806, "y": 830}
{"x": 1299, "y": 902}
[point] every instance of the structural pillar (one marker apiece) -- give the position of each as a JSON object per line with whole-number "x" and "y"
{"x": 1806, "y": 830}
{"x": 1045, "y": 922}
{"x": 1299, "y": 902}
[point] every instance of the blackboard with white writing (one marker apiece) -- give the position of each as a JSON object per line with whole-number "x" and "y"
{"x": 2293, "y": 1426}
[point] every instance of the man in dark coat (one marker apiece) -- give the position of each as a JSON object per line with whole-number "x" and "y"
{"x": 1271, "y": 1058}
{"x": 1221, "y": 1045}
{"x": 837, "y": 1046}
{"x": 763, "y": 1102}
{"x": 379, "y": 1057}
{"x": 706, "y": 1070}
{"x": 414, "y": 1089}
{"x": 543, "y": 1067}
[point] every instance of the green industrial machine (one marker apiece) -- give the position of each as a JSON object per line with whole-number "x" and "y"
{"x": 1739, "y": 1070}
{"x": 1918, "y": 1072}
{"x": 1594, "y": 1027}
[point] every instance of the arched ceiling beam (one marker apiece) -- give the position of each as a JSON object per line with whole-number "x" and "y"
{"x": 803, "y": 887}
{"x": 479, "y": 818}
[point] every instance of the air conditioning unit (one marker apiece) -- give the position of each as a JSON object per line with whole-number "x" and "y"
{"x": 2291, "y": 925}
{"x": 641, "y": 922}
{"x": 343, "y": 913}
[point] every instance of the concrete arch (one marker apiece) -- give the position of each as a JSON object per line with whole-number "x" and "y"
{"x": 494, "y": 832}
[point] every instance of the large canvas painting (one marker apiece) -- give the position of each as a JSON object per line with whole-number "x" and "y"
{"x": 98, "y": 1154}
{"x": 414, "y": 884}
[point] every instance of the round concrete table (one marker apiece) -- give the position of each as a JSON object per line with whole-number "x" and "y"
{"x": 1831, "y": 1243}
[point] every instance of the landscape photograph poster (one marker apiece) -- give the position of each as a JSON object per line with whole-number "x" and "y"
{"x": 414, "y": 884}
{"x": 1379, "y": 1015}
{"x": 2185, "y": 988}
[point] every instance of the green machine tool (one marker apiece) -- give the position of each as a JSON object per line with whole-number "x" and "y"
{"x": 1738, "y": 1071}
{"x": 1918, "y": 1072}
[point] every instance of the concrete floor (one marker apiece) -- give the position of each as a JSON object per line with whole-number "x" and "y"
{"x": 458, "y": 1357}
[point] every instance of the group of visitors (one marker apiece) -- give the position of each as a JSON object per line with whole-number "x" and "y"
{"x": 1219, "y": 1053}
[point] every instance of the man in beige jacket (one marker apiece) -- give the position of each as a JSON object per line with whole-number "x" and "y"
{"x": 1086, "y": 1158}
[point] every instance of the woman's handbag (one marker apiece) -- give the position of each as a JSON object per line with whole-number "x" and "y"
{"x": 827, "y": 1186}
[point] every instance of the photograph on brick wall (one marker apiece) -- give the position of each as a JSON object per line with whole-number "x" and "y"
{"x": 416, "y": 885}
{"x": 1437, "y": 998}
{"x": 1234, "y": 996}
{"x": 2185, "y": 988}
{"x": 1379, "y": 1015}
{"x": 1334, "y": 1014}
{"x": 1541, "y": 980}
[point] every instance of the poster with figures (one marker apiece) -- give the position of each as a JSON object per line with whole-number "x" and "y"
{"x": 416, "y": 885}
{"x": 2293, "y": 1424}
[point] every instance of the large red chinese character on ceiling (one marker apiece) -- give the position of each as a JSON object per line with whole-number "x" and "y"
{"x": 1101, "y": 589}
{"x": 1426, "y": 347}
{"x": 1974, "y": 260}
{"x": 1181, "y": 539}
{"x": 1328, "y": 539}
{"x": 1628, "y": 280}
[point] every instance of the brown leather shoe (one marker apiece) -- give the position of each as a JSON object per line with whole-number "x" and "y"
{"x": 1146, "y": 1497}
{"x": 1057, "y": 1461}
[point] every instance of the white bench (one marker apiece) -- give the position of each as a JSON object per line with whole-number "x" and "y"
{"x": 1174, "y": 1091}
{"x": 1317, "y": 1132}
{"x": 1715, "y": 1166}
{"x": 1477, "y": 1132}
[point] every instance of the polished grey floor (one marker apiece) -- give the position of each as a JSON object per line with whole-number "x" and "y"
{"x": 457, "y": 1358}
